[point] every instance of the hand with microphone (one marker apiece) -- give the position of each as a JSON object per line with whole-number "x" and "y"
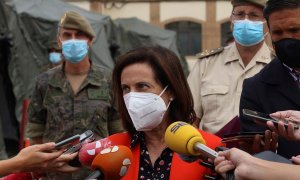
{"x": 111, "y": 163}
{"x": 184, "y": 139}
{"x": 36, "y": 158}
{"x": 250, "y": 167}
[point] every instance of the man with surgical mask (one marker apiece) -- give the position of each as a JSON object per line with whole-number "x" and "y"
{"x": 217, "y": 77}
{"x": 277, "y": 86}
{"x": 74, "y": 96}
{"x": 55, "y": 55}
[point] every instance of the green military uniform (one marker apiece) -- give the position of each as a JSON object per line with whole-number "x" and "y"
{"x": 56, "y": 112}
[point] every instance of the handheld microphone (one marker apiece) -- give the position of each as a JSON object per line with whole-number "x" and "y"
{"x": 184, "y": 139}
{"x": 111, "y": 163}
{"x": 90, "y": 150}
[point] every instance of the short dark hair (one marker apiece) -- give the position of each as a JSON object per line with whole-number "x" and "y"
{"x": 167, "y": 71}
{"x": 277, "y": 5}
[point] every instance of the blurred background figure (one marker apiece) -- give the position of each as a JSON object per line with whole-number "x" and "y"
{"x": 55, "y": 55}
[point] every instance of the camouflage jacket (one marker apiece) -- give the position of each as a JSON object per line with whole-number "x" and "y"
{"x": 56, "y": 113}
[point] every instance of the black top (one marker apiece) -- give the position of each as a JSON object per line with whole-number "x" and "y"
{"x": 162, "y": 165}
{"x": 272, "y": 89}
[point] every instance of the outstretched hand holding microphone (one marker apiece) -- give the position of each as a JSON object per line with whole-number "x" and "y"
{"x": 37, "y": 158}
{"x": 184, "y": 139}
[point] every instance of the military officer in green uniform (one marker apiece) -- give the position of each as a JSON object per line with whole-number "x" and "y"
{"x": 75, "y": 96}
{"x": 217, "y": 77}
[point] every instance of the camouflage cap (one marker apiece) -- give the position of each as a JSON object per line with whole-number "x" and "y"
{"x": 73, "y": 20}
{"x": 260, "y": 3}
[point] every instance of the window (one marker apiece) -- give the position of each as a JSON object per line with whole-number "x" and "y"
{"x": 188, "y": 36}
{"x": 226, "y": 34}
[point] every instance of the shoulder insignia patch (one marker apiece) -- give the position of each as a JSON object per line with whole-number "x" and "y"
{"x": 207, "y": 53}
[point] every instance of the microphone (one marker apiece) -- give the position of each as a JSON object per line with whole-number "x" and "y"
{"x": 89, "y": 151}
{"x": 111, "y": 163}
{"x": 185, "y": 139}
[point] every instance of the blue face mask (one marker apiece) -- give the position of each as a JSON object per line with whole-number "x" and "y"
{"x": 74, "y": 50}
{"x": 55, "y": 57}
{"x": 248, "y": 33}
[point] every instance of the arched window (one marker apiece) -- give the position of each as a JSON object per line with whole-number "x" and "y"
{"x": 226, "y": 33}
{"x": 188, "y": 36}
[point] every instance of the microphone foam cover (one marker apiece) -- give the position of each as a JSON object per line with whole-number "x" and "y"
{"x": 113, "y": 162}
{"x": 89, "y": 151}
{"x": 181, "y": 137}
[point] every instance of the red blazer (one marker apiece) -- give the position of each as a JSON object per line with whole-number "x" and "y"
{"x": 179, "y": 168}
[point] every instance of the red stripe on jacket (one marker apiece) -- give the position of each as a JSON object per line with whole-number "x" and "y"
{"x": 179, "y": 168}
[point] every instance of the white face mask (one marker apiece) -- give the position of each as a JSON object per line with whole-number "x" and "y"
{"x": 145, "y": 109}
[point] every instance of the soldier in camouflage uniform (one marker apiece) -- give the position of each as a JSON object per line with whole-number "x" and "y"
{"x": 55, "y": 56}
{"x": 75, "y": 96}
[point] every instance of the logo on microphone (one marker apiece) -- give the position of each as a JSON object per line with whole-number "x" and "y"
{"x": 177, "y": 126}
{"x": 92, "y": 152}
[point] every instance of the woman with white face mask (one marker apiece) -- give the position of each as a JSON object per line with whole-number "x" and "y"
{"x": 152, "y": 92}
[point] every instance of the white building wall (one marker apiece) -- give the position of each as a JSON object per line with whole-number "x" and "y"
{"x": 223, "y": 10}
{"x": 139, "y": 10}
{"x": 170, "y": 10}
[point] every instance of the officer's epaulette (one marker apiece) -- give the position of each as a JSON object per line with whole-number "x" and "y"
{"x": 207, "y": 53}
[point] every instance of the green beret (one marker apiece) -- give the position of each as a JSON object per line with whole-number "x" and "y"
{"x": 73, "y": 20}
{"x": 260, "y": 3}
